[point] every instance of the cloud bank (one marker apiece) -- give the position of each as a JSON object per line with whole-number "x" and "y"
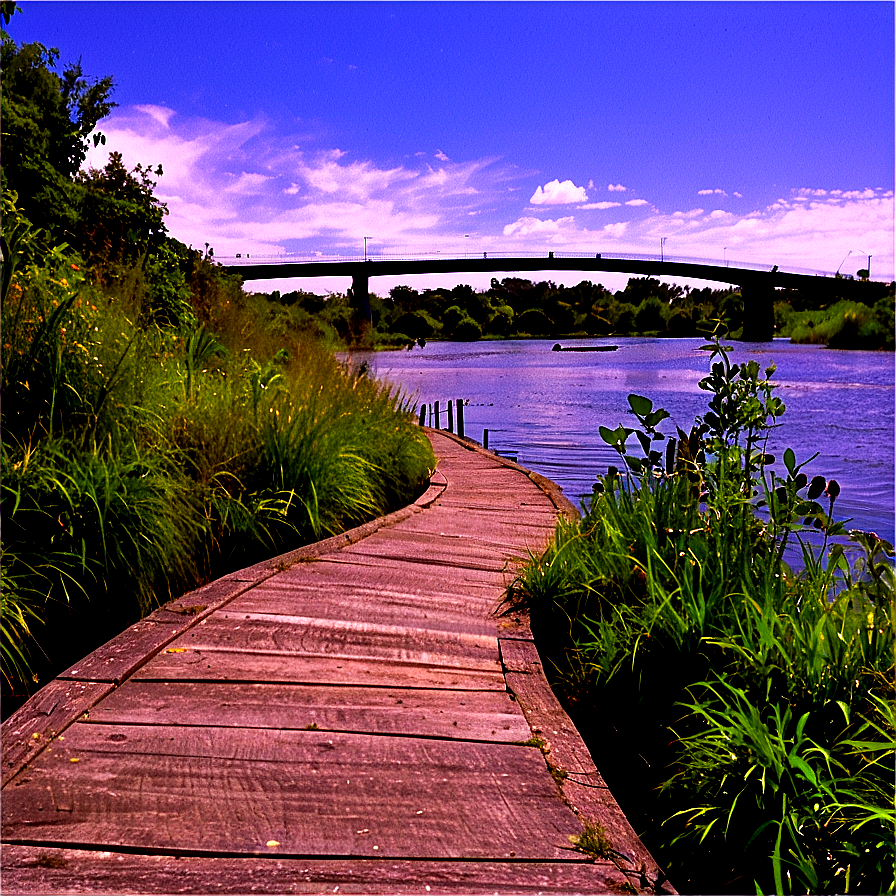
{"x": 248, "y": 188}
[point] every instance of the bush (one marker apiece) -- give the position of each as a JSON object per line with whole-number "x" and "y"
{"x": 534, "y": 322}
{"x": 467, "y": 330}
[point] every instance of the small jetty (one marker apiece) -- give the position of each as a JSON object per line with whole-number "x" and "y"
{"x": 351, "y": 717}
{"x": 584, "y": 348}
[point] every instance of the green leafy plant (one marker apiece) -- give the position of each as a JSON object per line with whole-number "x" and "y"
{"x": 762, "y": 693}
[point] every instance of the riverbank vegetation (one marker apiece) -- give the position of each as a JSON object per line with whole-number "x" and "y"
{"x": 160, "y": 427}
{"x": 843, "y": 324}
{"x": 740, "y": 708}
{"x": 517, "y": 308}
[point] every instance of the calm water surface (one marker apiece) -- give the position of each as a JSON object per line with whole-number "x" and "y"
{"x": 545, "y": 407}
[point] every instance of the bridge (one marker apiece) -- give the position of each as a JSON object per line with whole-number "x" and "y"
{"x": 757, "y": 283}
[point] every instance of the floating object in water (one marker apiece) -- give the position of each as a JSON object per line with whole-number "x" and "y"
{"x": 584, "y": 348}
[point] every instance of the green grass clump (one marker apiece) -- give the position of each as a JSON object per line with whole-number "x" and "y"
{"x": 754, "y": 701}
{"x": 141, "y": 458}
{"x": 593, "y": 841}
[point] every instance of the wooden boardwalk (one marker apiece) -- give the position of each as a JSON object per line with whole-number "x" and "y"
{"x": 348, "y": 718}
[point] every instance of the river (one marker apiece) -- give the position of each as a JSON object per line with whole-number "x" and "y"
{"x": 545, "y": 407}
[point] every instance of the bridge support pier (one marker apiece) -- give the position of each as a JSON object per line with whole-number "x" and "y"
{"x": 759, "y": 312}
{"x": 359, "y": 298}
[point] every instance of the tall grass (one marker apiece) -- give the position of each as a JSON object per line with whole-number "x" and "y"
{"x": 741, "y": 710}
{"x": 139, "y": 459}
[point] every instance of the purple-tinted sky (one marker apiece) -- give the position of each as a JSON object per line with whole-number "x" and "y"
{"x": 761, "y": 132}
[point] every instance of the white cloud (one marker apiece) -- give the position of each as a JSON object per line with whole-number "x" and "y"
{"x": 616, "y": 188}
{"x": 600, "y": 205}
{"x": 442, "y": 157}
{"x": 529, "y": 226}
{"x": 616, "y": 230}
{"x": 715, "y": 192}
{"x": 637, "y": 202}
{"x": 557, "y": 193}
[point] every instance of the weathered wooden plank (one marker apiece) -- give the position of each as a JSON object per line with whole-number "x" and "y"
{"x": 469, "y": 715}
{"x": 120, "y": 657}
{"x": 461, "y": 556}
{"x": 496, "y": 504}
{"x": 47, "y": 871}
{"x": 344, "y": 570}
{"x": 294, "y": 635}
{"x": 472, "y": 524}
{"x": 225, "y": 665}
{"x": 402, "y": 569}
{"x": 289, "y": 793}
{"x": 48, "y": 713}
{"x": 485, "y": 541}
{"x": 436, "y": 611}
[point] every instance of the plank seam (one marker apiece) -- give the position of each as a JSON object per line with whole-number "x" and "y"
{"x": 123, "y": 849}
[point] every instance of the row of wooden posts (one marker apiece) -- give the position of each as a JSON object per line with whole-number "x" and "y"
{"x": 455, "y": 410}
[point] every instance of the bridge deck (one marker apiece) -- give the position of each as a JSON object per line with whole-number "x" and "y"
{"x": 351, "y": 717}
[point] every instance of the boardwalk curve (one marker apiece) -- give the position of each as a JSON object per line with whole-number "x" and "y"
{"x": 349, "y": 717}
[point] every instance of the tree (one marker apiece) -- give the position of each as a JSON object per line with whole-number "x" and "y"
{"x": 47, "y": 119}
{"x": 120, "y": 218}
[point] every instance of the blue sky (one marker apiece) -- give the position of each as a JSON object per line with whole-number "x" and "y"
{"x": 761, "y": 132}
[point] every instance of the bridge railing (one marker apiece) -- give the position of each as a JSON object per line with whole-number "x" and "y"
{"x": 316, "y": 258}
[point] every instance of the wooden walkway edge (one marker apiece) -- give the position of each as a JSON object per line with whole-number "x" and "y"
{"x": 349, "y": 717}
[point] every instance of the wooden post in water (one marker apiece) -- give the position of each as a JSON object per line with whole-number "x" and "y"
{"x": 485, "y": 438}
{"x": 423, "y": 415}
{"x": 450, "y": 415}
{"x": 435, "y": 414}
{"x": 460, "y": 417}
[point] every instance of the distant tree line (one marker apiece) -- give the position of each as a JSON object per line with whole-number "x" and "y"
{"x": 518, "y": 308}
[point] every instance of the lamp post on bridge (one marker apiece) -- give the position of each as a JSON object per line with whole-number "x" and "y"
{"x": 662, "y": 244}
{"x": 365, "y": 246}
{"x": 725, "y": 256}
{"x": 843, "y": 262}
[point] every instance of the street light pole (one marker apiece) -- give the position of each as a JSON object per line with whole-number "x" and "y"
{"x": 662, "y": 244}
{"x": 365, "y": 246}
{"x": 725, "y": 256}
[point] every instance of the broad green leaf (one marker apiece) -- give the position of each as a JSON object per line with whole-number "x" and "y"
{"x": 640, "y": 405}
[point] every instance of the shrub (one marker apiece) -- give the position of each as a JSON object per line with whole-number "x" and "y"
{"x": 534, "y": 322}
{"x": 467, "y": 330}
